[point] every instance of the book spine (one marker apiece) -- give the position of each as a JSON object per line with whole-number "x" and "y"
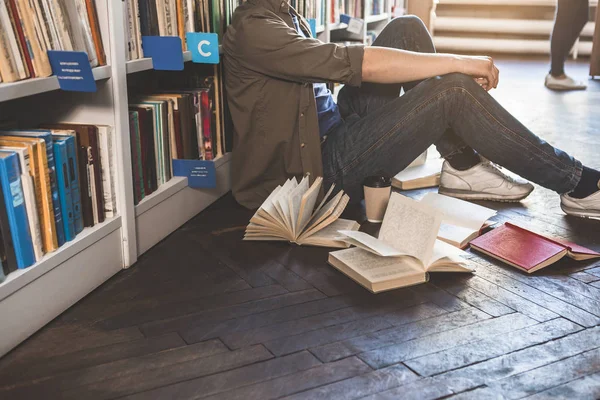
{"x": 66, "y": 201}
{"x": 62, "y": 25}
{"x": 17, "y": 214}
{"x": 137, "y": 19}
{"x": 7, "y": 248}
{"x": 86, "y": 199}
{"x": 95, "y": 29}
{"x": 128, "y": 23}
{"x": 34, "y": 38}
{"x": 74, "y": 181}
{"x": 25, "y": 52}
{"x": 206, "y": 125}
{"x": 8, "y": 65}
{"x": 30, "y": 205}
{"x": 180, "y": 4}
{"x": 56, "y": 204}
{"x": 83, "y": 20}
{"x": 97, "y": 172}
{"x": 105, "y": 144}
{"x": 134, "y": 134}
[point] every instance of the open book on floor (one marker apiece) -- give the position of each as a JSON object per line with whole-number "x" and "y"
{"x": 289, "y": 214}
{"x": 462, "y": 221}
{"x": 405, "y": 252}
{"x": 527, "y": 250}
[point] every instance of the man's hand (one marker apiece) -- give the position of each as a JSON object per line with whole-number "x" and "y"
{"x": 482, "y": 69}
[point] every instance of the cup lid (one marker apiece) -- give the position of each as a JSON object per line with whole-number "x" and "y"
{"x": 377, "y": 181}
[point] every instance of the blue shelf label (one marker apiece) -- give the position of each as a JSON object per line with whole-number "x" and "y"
{"x": 201, "y": 174}
{"x": 73, "y": 70}
{"x": 204, "y": 47}
{"x": 313, "y": 26}
{"x": 165, "y": 51}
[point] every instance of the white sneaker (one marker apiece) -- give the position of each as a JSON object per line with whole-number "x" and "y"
{"x": 567, "y": 83}
{"x": 586, "y": 207}
{"x": 484, "y": 181}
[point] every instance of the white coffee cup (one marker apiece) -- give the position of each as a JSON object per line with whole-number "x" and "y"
{"x": 378, "y": 189}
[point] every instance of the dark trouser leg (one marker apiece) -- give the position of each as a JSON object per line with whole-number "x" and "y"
{"x": 406, "y": 33}
{"x": 390, "y": 137}
{"x": 571, "y": 17}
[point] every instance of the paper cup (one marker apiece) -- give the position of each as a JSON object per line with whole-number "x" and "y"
{"x": 377, "y": 194}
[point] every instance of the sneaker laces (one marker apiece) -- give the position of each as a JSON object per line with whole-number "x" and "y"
{"x": 497, "y": 170}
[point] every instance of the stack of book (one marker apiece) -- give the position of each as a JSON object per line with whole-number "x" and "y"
{"x": 28, "y": 29}
{"x": 54, "y": 182}
{"x": 176, "y": 124}
{"x": 173, "y": 18}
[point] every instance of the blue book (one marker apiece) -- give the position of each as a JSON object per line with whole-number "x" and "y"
{"x": 47, "y": 136}
{"x": 73, "y": 172}
{"x": 64, "y": 187}
{"x": 12, "y": 190}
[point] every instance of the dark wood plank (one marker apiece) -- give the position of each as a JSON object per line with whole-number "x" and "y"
{"x": 297, "y": 327}
{"x": 55, "y": 365}
{"x": 360, "y": 386}
{"x": 300, "y": 381}
{"x": 543, "y": 378}
{"x": 440, "y": 297}
{"x": 134, "y": 366}
{"x": 182, "y": 308}
{"x": 164, "y": 375}
{"x": 473, "y": 352}
{"x": 475, "y": 298}
{"x": 584, "y": 277}
{"x": 587, "y": 387}
{"x": 210, "y": 329}
{"x": 390, "y": 355}
{"x": 199, "y": 318}
{"x": 240, "y": 377}
{"x": 428, "y": 321}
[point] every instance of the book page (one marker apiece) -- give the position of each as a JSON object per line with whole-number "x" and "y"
{"x": 369, "y": 243}
{"x": 294, "y": 202}
{"x": 281, "y": 203}
{"x": 442, "y": 250}
{"x": 333, "y": 215}
{"x": 377, "y": 269}
{"x": 459, "y": 212}
{"x": 325, "y": 199}
{"x": 325, "y": 212}
{"x": 307, "y": 204}
{"x": 410, "y": 227}
{"x": 329, "y": 235}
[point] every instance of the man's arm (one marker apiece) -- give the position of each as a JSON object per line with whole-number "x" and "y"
{"x": 386, "y": 65}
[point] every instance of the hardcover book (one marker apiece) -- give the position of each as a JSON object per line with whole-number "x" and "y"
{"x": 405, "y": 252}
{"x": 527, "y": 250}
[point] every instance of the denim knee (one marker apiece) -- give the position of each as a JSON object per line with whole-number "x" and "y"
{"x": 457, "y": 79}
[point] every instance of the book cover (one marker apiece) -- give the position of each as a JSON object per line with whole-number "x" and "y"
{"x": 47, "y": 137}
{"x": 63, "y": 183}
{"x": 12, "y": 189}
{"x": 7, "y": 248}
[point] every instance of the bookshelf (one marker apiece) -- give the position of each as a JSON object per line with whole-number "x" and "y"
{"x": 64, "y": 276}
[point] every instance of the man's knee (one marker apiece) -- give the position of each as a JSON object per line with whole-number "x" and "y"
{"x": 457, "y": 79}
{"x": 408, "y": 23}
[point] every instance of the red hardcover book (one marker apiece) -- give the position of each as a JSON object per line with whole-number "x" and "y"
{"x": 526, "y": 250}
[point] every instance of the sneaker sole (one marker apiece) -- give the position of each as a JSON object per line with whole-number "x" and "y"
{"x": 565, "y": 88}
{"x": 580, "y": 213}
{"x": 469, "y": 195}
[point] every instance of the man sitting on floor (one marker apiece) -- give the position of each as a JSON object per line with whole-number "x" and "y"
{"x": 287, "y": 123}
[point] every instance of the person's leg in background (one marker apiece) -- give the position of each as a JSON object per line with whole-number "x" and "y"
{"x": 463, "y": 169}
{"x": 571, "y": 17}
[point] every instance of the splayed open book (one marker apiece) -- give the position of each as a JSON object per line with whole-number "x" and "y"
{"x": 289, "y": 214}
{"x": 405, "y": 252}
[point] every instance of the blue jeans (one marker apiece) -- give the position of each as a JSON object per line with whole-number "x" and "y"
{"x": 383, "y": 132}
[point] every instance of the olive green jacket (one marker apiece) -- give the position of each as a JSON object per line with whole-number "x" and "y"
{"x": 269, "y": 71}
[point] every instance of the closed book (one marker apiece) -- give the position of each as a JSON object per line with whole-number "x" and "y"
{"x": 43, "y": 187}
{"x": 105, "y": 147}
{"x": 12, "y": 190}
{"x": 7, "y": 248}
{"x": 146, "y": 124}
{"x": 87, "y": 212}
{"x": 419, "y": 176}
{"x": 46, "y": 135}
{"x": 95, "y": 28}
{"x": 18, "y": 27}
{"x": 64, "y": 186}
{"x": 33, "y": 36}
{"x": 527, "y": 250}
{"x": 136, "y": 165}
{"x": 73, "y": 173}
{"x": 87, "y": 136}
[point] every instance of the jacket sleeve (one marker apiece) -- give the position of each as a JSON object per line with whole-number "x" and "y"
{"x": 267, "y": 45}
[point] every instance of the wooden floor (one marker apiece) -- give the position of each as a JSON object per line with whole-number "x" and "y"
{"x": 204, "y": 315}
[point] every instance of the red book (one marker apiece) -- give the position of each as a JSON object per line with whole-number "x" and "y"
{"x": 527, "y": 250}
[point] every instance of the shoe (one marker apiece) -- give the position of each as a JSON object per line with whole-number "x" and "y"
{"x": 586, "y": 207}
{"x": 567, "y": 83}
{"x": 485, "y": 181}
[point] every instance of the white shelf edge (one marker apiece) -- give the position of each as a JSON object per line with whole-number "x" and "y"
{"x": 170, "y": 188}
{"x": 163, "y": 192}
{"x": 29, "y": 87}
{"x": 377, "y": 18}
{"x": 22, "y": 277}
{"x": 144, "y": 64}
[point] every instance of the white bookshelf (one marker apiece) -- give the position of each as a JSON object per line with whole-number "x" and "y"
{"x": 32, "y": 297}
